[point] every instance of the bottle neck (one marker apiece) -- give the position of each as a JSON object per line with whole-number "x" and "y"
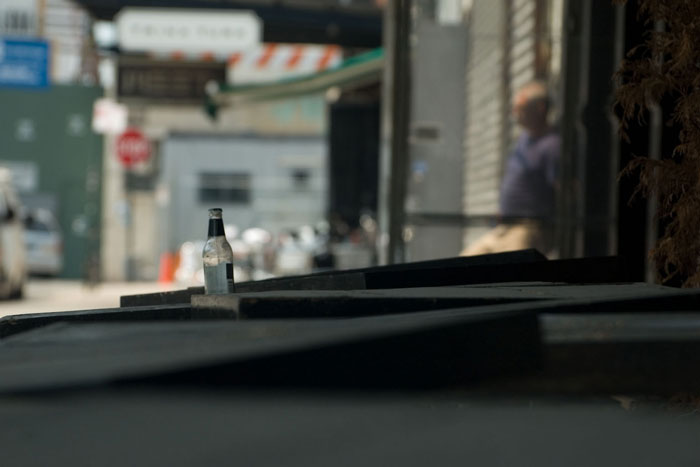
{"x": 216, "y": 228}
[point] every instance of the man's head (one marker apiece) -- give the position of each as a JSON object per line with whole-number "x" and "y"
{"x": 531, "y": 105}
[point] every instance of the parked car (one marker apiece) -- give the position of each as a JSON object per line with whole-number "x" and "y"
{"x": 44, "y": 243}
{"x": 13, "y": 266}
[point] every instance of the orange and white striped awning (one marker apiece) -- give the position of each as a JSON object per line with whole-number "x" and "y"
{"x": 271, "y": 61}
{"x": 356, "y": 71}
{"x": 288, "y": 57}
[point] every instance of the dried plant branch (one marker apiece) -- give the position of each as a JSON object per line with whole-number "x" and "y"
{"x": 667, "y": 66}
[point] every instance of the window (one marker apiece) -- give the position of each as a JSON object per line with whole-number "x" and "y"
{"x": 224, "y": 188}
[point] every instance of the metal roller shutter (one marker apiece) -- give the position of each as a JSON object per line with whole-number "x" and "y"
{"x": 502, "y": 57}
{"x": 484, "y": 111}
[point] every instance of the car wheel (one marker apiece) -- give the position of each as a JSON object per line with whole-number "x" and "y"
{"x": 17, "y": 292}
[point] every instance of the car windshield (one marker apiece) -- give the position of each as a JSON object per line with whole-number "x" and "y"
{"x": 38, "y": 223}
{"x": 34, "y": 224}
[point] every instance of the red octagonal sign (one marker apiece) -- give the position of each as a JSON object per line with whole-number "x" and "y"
{"x": 132, "y": 147}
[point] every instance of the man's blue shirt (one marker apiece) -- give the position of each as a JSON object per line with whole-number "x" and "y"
{"x": 528, "y": 183}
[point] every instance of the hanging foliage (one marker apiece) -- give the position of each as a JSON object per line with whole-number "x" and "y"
{"x": 666, "y": 66}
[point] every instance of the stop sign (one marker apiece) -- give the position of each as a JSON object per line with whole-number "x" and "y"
{"x": 132, "y": 147}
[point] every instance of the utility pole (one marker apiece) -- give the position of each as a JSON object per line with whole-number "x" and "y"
{"x": 395, "y": 127}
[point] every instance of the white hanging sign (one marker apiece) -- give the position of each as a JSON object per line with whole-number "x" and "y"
{"x": 168, "y": 30}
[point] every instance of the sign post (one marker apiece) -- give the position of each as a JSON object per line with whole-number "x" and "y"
{"x": 132, "y": 148}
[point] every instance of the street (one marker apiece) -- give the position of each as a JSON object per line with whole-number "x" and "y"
{"x": 47, "y": 295}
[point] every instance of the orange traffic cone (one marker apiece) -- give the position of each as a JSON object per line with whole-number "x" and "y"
{"x": 166, "y": 268}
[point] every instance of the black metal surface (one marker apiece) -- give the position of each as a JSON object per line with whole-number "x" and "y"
{"x": 355, "y": 279}
{"x": 15, "y": 324}
{"x": 354, "y": 303}
{"x": 160, "y": 298}
{"x": 437, "y": 349}
{"x": 417, "y": 351}
{"x": 584, "y": 270}
{"x": 341, "y": 280}
{"x": 337, "y": 304}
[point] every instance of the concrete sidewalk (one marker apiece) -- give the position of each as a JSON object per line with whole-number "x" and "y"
{"x": 46, "y": 295}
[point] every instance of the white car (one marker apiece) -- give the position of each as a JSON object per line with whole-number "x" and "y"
{"x": 13, "y": 267}
{"x": 44, "y": 243}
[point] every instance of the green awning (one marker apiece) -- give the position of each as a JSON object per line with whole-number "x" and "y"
{"x": 354, "y": 72}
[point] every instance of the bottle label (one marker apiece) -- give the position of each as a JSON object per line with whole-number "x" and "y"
{"x": 219, "y": 278}
{"x": 216, "y": 228}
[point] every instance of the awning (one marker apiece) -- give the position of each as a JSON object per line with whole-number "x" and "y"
{"x": 354, "y": 72}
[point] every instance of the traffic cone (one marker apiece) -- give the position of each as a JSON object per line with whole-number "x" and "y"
{"x": 166, "y": 268}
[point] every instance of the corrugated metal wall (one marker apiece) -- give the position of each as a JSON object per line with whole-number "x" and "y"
{"x": 502, "y": 57}
{"x": 522, "y": 48}
{"x": 484, "y": 114}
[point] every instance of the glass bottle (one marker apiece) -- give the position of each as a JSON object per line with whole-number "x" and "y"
{"x": 217, "y": 257}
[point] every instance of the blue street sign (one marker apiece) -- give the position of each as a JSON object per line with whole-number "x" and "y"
{"x": 24, "y": 63}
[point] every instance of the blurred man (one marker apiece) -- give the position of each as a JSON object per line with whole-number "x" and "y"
{"x": 527, "y": 203}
